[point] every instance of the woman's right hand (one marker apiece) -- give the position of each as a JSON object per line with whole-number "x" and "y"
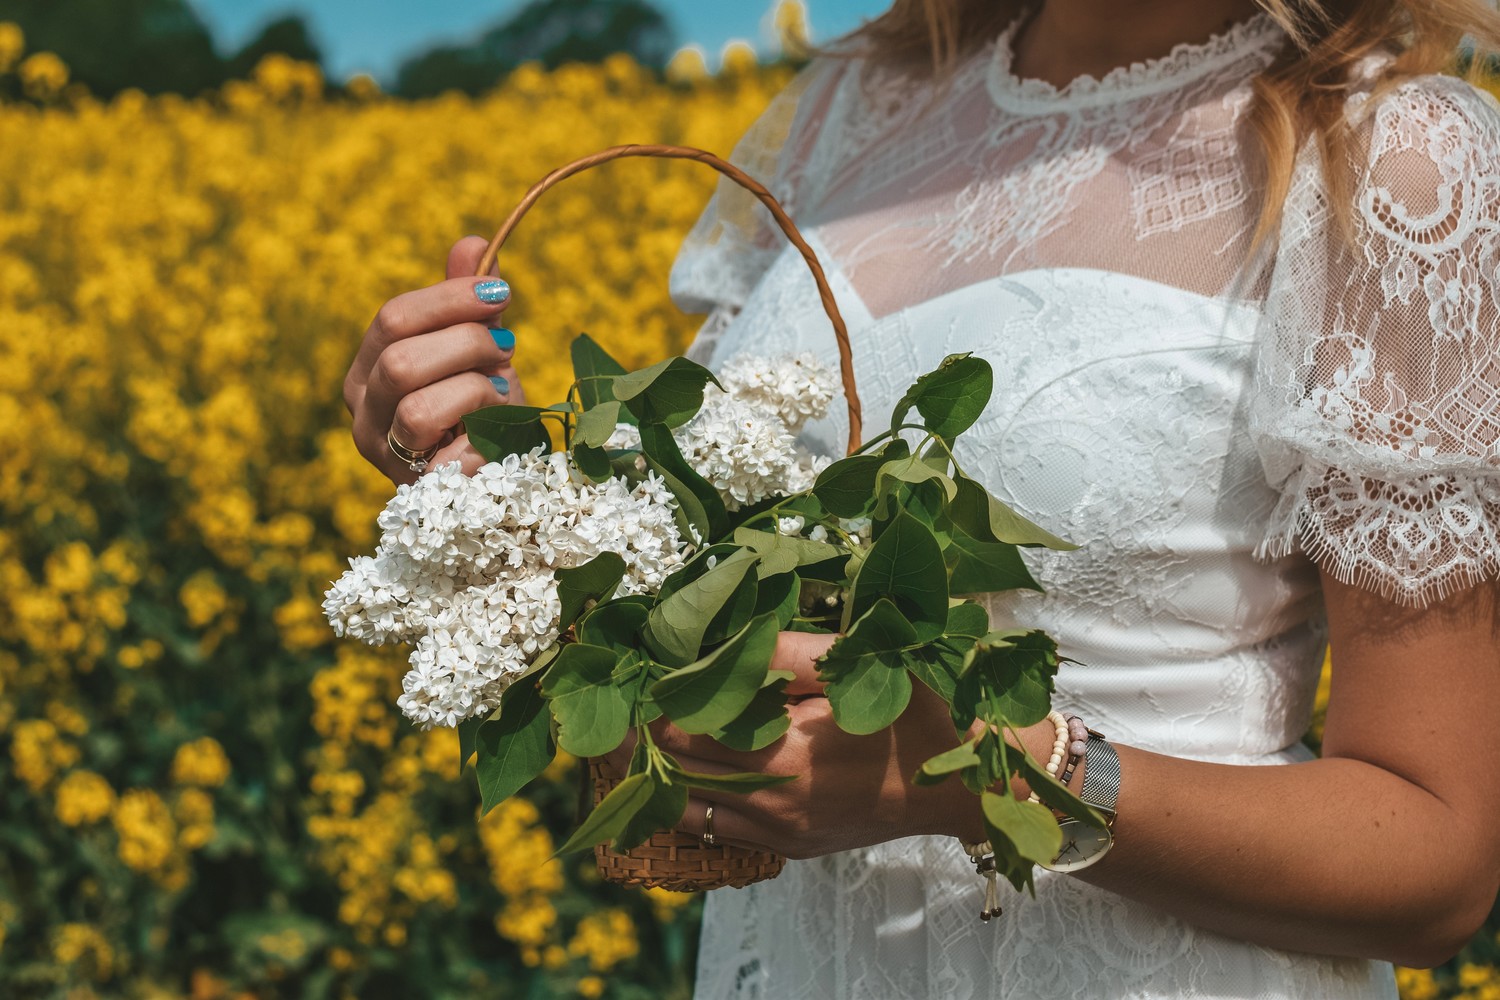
{"x": 429, "y": 357}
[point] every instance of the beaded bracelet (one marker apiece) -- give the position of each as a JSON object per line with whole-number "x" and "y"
{"x": 1060, "y": 746}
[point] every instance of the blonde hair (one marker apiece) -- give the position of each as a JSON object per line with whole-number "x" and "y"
{"x": 1300, "y": 95}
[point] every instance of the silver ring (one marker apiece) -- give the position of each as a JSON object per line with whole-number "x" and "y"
{"x": 708, "y": 829}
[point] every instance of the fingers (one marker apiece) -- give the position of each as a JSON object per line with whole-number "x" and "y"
{"x": 452, "y": 303}
{"x": 798, "y": 652}
{"x": 463, "y": 259}
{"x": 423, "y": 418}
{"x": 410, "y": 365}
{"x": 730, "y": 826}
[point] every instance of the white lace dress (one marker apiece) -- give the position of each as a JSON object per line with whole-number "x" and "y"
{"x": 1201, "y": 424}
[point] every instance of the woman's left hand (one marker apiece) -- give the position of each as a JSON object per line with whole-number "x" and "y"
{"x": 851, "y": 791}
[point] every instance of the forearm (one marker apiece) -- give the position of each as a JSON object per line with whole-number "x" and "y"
{"x": 1334, "y": 856}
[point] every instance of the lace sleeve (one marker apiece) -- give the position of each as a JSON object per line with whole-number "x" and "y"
{"x": 735, "y": 240}
{"x": 1377, "y": 402}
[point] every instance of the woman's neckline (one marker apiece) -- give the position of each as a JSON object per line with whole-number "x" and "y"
{"x": 1186, "y": 63}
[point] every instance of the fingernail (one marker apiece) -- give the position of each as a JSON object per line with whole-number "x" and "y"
{"x": 501, "y": 384}
{"x": 504, "y": 339}
{"x": 492, "y": 292}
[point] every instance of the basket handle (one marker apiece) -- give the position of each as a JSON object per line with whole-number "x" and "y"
{"x": 744, "y": 180}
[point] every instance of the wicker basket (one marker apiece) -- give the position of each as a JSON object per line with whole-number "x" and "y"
{"x": 677, "y": 861}
{"x": 669, "y": 859}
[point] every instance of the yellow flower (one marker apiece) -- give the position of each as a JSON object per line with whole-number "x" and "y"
{"x": 84, "y": 797}
{"x": 38, "y": 752}
{"x": 1416, "y": 984}
{"x": 591, "y": 987}
{"x": 203, "y": 600}
{"x": 43, "y": 76}
{"x": 83, "y": 947}
{"x": 12, "y": 44}
{"x": 738, "y": 58}
{"x": 687, "y": 65}
{"x": 606, "y": 938}
{"x": 194, "y": 814}
{"x": 201, "y": 762}
{"x": 148, "y": 837}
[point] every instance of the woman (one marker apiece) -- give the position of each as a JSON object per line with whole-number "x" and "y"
{"x": 1236, "y": 270}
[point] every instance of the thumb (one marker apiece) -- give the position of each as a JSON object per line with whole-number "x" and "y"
{"x": 464, "y": 258}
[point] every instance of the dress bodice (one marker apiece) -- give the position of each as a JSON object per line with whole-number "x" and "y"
{"x": 1201, "y": 419}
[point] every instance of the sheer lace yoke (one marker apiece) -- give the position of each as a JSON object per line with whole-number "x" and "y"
{"x": 1186, "y": 63}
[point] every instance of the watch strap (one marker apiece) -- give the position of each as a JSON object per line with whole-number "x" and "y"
{"x": 1101, "y": 775}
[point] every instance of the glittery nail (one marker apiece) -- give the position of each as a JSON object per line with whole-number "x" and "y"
{"x": 492, "y": 292}
{"x": 504, "y": 339}
{"x": 501, "y": 384}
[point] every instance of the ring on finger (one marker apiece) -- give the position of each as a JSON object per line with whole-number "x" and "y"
{"x": 708, "y": 829}
{"x": 416, "y": 461}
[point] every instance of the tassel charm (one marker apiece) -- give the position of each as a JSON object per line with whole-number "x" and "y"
{"x": 983, "y": 857}
{"x": 986, "y": 867}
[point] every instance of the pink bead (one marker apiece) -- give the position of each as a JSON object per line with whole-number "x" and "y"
{"x": 1077, "y": 747}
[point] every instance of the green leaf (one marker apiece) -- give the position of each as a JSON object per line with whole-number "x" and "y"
{"x": 936, "y": 770}
{"x": 514, "y": 746}
{"x": 912, "y": 470}
{"x": 1007, "y": 682}
{"x": 707, "y": 695}
{"x": 967, "y": 619}
{"x": 905, "y": 564}
{"x": 1055, "y": 793}
{"x": 592, "y": 462}
{"x": 868, "y": 694}
{"x": 498, "y": 431}
{"x": 699, "y": 503}
{"x": 937, "y": 664}
{"x": 778, "y": 595}
{"x": 467, "y": 730}
{"x": 589, "y": 359}
{"x": 588, "y": 701}
{"x": 1027, "y": 826}
{"x": 616, "y": 624}
{"x": 612, "y": 814}
{"x": 977, "y": 567}
{"x": 951, "y": 397}
{"x": 783, "y": 553}
{"x": 675, "y": 628}
{"x": 597, "y": 424}
{"x": 983, "y": 517}
{"x": 595, "y": 580}
{"x": 662, "y": 811}
{"x": 847, "y": 487}
{"x": 741, "y": 784}
{"x": 865, "y": 673}
{"x": 764, "y": 720}
{"x": 669, "y": 392}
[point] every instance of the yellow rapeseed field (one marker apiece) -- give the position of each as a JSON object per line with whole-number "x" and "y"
{"x": 201, "y": 794}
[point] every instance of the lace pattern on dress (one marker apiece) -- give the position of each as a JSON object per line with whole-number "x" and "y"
{"x": 1379, "y": 388}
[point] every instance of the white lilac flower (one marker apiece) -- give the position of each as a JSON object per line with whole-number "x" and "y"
{"x": 794, "y": 387}
{"x": 466, "y": 566}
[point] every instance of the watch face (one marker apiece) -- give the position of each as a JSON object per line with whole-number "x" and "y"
{"x": 1082, "y": 845}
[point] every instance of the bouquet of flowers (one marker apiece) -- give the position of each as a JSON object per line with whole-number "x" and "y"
{"x": 566, "y": 598}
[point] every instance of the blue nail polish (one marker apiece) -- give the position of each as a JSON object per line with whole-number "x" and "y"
{"x": 504, "y": 339}
{"x": 492, "y": 292}
{"x": 501, "y": 384}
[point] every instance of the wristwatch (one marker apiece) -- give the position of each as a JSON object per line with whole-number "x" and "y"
{"x": 1083, "y": 844}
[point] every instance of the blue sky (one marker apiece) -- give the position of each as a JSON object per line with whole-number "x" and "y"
{"x": 374, "y": 35}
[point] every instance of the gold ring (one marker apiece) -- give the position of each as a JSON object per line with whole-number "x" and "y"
{"x": 708, "y": 829}
{"x": 416, "y": 461}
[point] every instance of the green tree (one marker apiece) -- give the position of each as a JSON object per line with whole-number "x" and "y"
{"x": 551, "y": 32}
{"x": 109, "y": 45}
{"x": 287, "y": 35}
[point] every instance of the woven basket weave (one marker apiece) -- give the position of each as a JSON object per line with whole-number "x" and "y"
{"x": 669, "y": 859}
